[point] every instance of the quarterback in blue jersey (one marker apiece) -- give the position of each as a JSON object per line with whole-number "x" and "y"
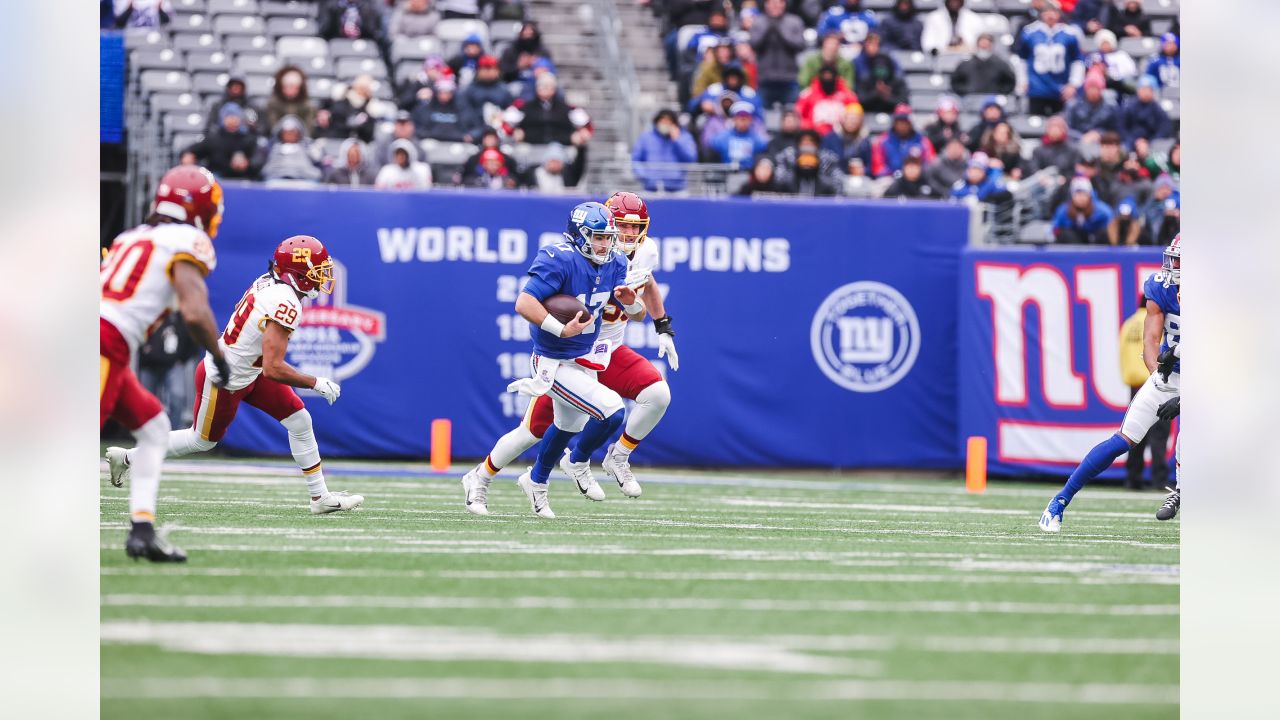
{"x": 1051, "y": 51}
{"x": 584, "y": 266}
{"x": 1158, "y": 398}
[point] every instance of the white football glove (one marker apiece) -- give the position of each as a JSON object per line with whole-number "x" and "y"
{"x": 328, "y": 389}
{"x": 529, "y": 386}
{"x": 667, "y": 346}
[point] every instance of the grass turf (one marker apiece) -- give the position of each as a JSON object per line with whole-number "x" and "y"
{"x": 714, "y": 595}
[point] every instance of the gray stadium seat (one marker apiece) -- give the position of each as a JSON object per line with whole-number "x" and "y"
{"x": 1161, "y": 26}
{"x": 248, "y": 43}
{"x": 349, "y": 68}
{"x": 288, "y": 8}
{"x": 1172, "y": 92}
{"x": 256, "y": 64}
{"x": 278, "y": 26}
{"x": 982, "y": 6}
{"x": 382, "y": 89}
{"x": 327, "y": 147}
{"x": 209, "y": 83}
{"x": 407, "y": 70}
{"x": 933, "y": 82}
{"x": 913, "y": 61}
{"x": 357, "y": 48}
{"x": 503, "y": 31}
{"x": 208, "y": 61}
{"x": 320, "y": 88}
{"x": 238, "y": 25}
{"x": 877, "y": 123}
{"x": 293, "y": 46}
{"x": 184, "y": 140}
{"x": 192, "y": 122}
{"x": 153, "y": 59}
{"x": 161, "y": 103}
{"x": 926, "y": 101}
{"x": 1087, "y": 44}
{"x": 1162, "y": 146}
{"x": 973, "y": 103}
{"x": 1028, "y": 126}
{"x": 259, "y": 86}
{"x": 1036, "y": 232}
{"x": 195, "y": 42}
{"x": 878, "y": 5}
{"x": 994, "y": 23}
{"x": 164, "y": 81}
{"x": 1173, "y": 108}
{"x": 1140, "y": 47}
{"x": 313, "y": 66}
{"x": 135, "y": 38}
{"x": 233, "y": 7}
{"x": 1161, "y": 8}
{"x": 948, "y": 62}
{"x": 446, "y": 153}
{"x": 189, "y": 22}
{"x": 189, "y": 6}
{"x": 1013, "y": 7}
{"x": 417, "y": 49}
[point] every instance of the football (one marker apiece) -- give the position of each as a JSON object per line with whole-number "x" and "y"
{"x": 564, "y": 307}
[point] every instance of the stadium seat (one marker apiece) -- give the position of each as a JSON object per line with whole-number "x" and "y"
{"x": 877, "y": 123}
{"x": 982, "y": 6}
{"x": 452, "y": 154}
{"x": 287, "y": 8}
{"x": 320, "y": 88}
{"x": 162, "y": 103}
{"x": 192, "y": 121}
{"x": 932, "y": 82}
{"x": 1162, "y": 146}
{"x": 248, "y": 43}
{"x": 1161, "y": 8}
{"x": 1028, "y": 126}
{"x": 238, "y": 25}
{"x": 233, "y": 7}
{"x": 312, "y": 66}
{"x": 1173, "y": 108}
{"x": 994, "y": 23}
{"x": 1087, "y": 44}
{"x": 208, "y": 61}
{"x": 279, "y": 26}
{"x": 948, "y": 62}
{"x": 503, "y": 31}
{"x": 454, "y": 30}
{"x": 150, "y": 81}
{"x": 357, "y": 48}
{"x": 926, "y": 101}
{"x": 195, "y": 42}
{"x": 189, "y": 6}
{"x": 189, "y": 22}
{"x": 351, "y": 67}
{"x": 135, "y": 38}
{"x": 259, "y": 86}
{"x": 913, "y": 61}
{"x": 209, "y": 83}
{"x": 407, "y": 70}
{"x": 878, "y": 5}
{"x": 1140, "y": 47}
{"x": 416, "y": 49}
{"x": 255, "y": 63}
{"x": 1013, "y": 7}
{"x": 974, "y": 103}
{"x": 1036, "y": 232}
{"x": 1172, "y": 92}
{"x": 1160, "y": 26}
{"x": 152, "y": 59}
{"x": 184, "y": 140}
{"x": 293, "y": 46}
{"x": 327, "y": 147}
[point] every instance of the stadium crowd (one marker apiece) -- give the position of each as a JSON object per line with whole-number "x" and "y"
{"x": 815, "y": 98}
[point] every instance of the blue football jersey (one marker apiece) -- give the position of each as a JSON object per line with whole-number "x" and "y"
{"x": 1049, "y": 54}
{"x": 853, "y": 26}
{"x": 1168, "y": 299}
{"x": 561, "y": 269}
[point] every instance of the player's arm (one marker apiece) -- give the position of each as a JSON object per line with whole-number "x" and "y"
{"x": 661, "y": 323}
{"x": 530, "y": 308}
{"x": 1152, "y": 330}
{"x": 193, "y": 304}
{"x": 653, "y": 299}
{"x": 275, "y": 341}
{"x": 631, "y": 303}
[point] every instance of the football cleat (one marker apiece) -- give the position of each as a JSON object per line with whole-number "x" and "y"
{"x": 475, "y": 491}
{"x": 1051, "y": 518}
{"x": 582, "y": 477}
{"x": 333, "y": 502}
{"x": 1169, "y": 508}
{"x": 145, "y": 542}
{"x": 617, "y": 467}
{"x": 119, "y": 463}
{"x": 537, "y": 494}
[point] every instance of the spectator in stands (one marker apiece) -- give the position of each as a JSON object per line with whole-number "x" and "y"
{"x": 880, "y": 86}
{"x": 234, "y": 92}
{"x": 985, "y": 73}
{"x": 230, "y": 150}
{"x": 982, "y": 180}
{"x": 529, "y": 81}
{"x": 1128, "y": 228}
{"x": 1166, "y": 67}
{"x": 992, "y": 114}
{"x": 761, "y": 179}
{"x": 488, "y": 140}
{"x": 947, "y": 124}
{"x": 902, "y": 28}
{"x": 910, "y": 182}
{"x": 445, "y": 117}
{"x": 404, "y": 172}
{"x": 355, "y": 169}
{"x": 1163, "y": 212}
{"x": 350, "y": 19}
{"x": 828, "y": 54}
{"x": 1051, "y": 52}
{"x": 890, "y": 149}
{"x": 414, "y": 18}
{"x": 666, "y": 143}
{"x": 418, "y": 89}
{"x": 711, "y": 69}
{"x": 352, "y": 115}
{"x": 822, "y": 104}
{"x": 850, "y": 139}
{"x": 949, "y": 168}
{"x": 1142, "y": 117}
{"x": 487, "y": 89}
{"x": 740, "y": 142}
{"x": 401, "y": 129}
{"x": 1083, "y": 219}
{"x": 746, "y": 57}
{"x": 734, "y": 82}
{"x": 143, "y": 13}
{"x": 290, "y": 157}
{"x": 1056, "y": 149}
{"x": 1088, "y": 15}
{"x": 289, "y": 97}
{"x": 1121, "y": 172}
{"x": 707, "y": 49}
{"x": 951, "y": 28}
{"x": 464, "y": 64}
{"x": 1086, "y": 167}
{"x": 1091, "y": 114}
{"x": 777, "y": 37}
{"x": 520, "y": 54}
{"x": 459, "y": 9}
{"x": 554, "y": 175}
{"x": 492, "y": 173}
{"x": 1117, "y": 66}
{"x": 1002, "y": 144}
{"x": 806, "y": 169}
{"x": 679, "y": 14}
{"x": 1130, "y": 20}
{"x": 548, "y": 118}
{"x": 787, "y": 134}
{"x": 849, "y": 19}
{"x": 1170, "y": 164}
{"x": 717, "y": 122}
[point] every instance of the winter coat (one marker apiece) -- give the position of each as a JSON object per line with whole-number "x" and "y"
{"x": 278, "y": 107}
{"x": 738, "y": 148}
{"x": 251, "y": 117}
{"x": 1083, "y": 116}
{"x": 342, "y": 174}
{"x": 1091, "y": 230}
{"x": 365, "y": 19}
{"x": 291, "y": 161}
{"x": 655, "y": 148}
{"x": 1166, "y": 70}
{"x": 940, "y": 133}
{"x": 1119, "y": 17}
{"x": 415, "y": 177}
{"x": 944, "y": 174}
{"x": 868, "y": 70}
{"x": 777, "y": 42}
{"x": 713, "y": 93}
{"x": 1143, "y": 120}
{"x": 543, "y": 181}
{"x": 477, "y": 94}
{"x": 888, "y": 151}
{"x": 822, "y": 181}
{"x": 813, "y": 63}
{"x": 452, "y": 121}
{"x": 218, "y": 147}
{"x": 548, "y": 122}
{"x": 411, "y": 24}
{"x": 1062, "y": 155}
{"x": 939, "y": 29}
{"x": 901, "y": 33}
{"x": 991, "y": 188}
{"x": 350, "y": 117}
{"x": 821, "y": 111}
{"x": 509, "y": 60}
{"x": 984, "y": 76}
{"x": 848, "y": 147}
{"x": 919, "y": 188}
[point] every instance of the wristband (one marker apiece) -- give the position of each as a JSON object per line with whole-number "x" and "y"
{"x": 634, "y": 308}
{"x": 552, "y": 325}
{"x": 663, "y": 326}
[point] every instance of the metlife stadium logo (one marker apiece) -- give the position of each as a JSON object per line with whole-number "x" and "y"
{"x": 865, "y": 336}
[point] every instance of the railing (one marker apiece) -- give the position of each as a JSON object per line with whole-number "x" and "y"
{"x": 702, "y": 179}
{"x": 622, "y": 71}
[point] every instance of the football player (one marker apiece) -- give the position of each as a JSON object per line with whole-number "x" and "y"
{"x": 148, "y": 268}
{"x": 1161, "y": 337}
{"x": 623, "y": 370}
{"x": 254, "y": 343}
{"x": 584, "y": 266}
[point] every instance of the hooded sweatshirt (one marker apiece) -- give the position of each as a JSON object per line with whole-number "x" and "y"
{"x": 415, "y": 177}
{"x": 411, "y": 24}
{"x": 821, "y": 108}
{"x": 509, "y": 61}
{"x": 291, "y": 161}
{"x": 343, "y": 174}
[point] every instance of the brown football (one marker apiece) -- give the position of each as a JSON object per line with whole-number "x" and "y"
{"x": 564, "y": 307}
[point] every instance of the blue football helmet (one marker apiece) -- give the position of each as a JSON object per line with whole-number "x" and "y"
{"x": 589, "y": 224}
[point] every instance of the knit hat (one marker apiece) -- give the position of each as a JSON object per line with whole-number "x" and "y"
{"x": 230, "y": 110}
{"x": 947, "y": 102}
{"x": 1081, "y": 184}
{"x": 473, "y": 39}
{"x": 742, "y": 107}
{"x": 555, "y": 151}
{"x": 979, "y": 160}
{"x": 1104, "y": 36}
{"x": 1164, "y": 180}
{"x": 1170, "y": 38}
{"x": 1149, "y": 82}
{"x": 902, "y": 111}
{"x": 446, "y": 84}
{"x": 487, "y": 61}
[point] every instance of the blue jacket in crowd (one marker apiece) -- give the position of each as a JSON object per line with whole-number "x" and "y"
{"x": 990, "y": 185}
{"x": 1166, "y": 70}
{"x": 1083, "y": 116}
{"x": 1049, "y": 54}
{"x": 1096, "y": 223}
{"x": 738, "y": 148}
{"x": 655, "y": 148}
{"x": 1144, "y": 120}
{"x": 852, "y": 26}
{"x": 713, "y": 92}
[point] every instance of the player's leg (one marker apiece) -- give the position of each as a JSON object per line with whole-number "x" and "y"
{"x": 633, "y": 377}
{"x": 568, "y": 420}
{"x": 475, "y": 484}
{"x": 1158, "y": 440}
{"x": 580, "y": 388}
{"x": 1173, "y": 501}
{"x": 282, "y": 403}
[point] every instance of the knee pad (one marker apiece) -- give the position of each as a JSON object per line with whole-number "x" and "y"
{"x": 657, "y": 395}
{"x": 298, "y": 423}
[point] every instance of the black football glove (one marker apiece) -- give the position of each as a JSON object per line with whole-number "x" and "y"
{"x": 1165, "y": 363}
{"x": 223, "y": 373}
{"x": 1170, "y": 409}
{"x": 663, "y": 326}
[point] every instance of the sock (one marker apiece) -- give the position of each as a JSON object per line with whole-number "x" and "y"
{"x": 595, "y": 435}
{"x": 554, "y": 441}
{"x": 180, "y": 442}
{"x": 507, "y": 449}
{"x": 302, "y": 443}
{"x": 144, "y": 482}
{"x": 651, "y": 405}
{"x": 1098, "y": 459}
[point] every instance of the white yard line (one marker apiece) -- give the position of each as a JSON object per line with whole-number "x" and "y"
{"x": 947, "y": 509}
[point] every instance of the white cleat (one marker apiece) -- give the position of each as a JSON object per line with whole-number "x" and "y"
{"x": 581, "y": 475}
{"x": 1051, "y": 518}
{"x": 537, "y": 494}
{"x": 475, "y": 491}
{"x": 333, "y": 502}
{"x": 619, "y": 468}
{"x": 119, "y": 463}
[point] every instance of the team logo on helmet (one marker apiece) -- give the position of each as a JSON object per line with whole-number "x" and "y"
{"x": 865, "y": 336}
{"x": 336, "y": 339}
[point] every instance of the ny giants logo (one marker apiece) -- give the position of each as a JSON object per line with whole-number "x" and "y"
{"x": 865, "y": 336}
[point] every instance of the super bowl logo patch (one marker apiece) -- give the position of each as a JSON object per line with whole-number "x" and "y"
{"x": 336, "y": 339}
{"x": 865, "y": 336}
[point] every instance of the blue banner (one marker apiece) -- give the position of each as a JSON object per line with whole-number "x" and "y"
{"x": 810, "y": 333}
{"x": 1040, "y": 350}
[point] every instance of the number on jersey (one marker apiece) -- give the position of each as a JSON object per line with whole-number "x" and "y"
{"x": 125, "y": 269}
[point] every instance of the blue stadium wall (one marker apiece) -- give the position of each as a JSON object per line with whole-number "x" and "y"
{"x": 810, "y": 333}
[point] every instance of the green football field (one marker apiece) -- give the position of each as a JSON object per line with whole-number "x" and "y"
{"x": 715, "y": 595}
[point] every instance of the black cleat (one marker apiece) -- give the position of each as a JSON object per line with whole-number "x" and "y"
{"x": 145, "y": 542}
{"x": 1169, "y": 508}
